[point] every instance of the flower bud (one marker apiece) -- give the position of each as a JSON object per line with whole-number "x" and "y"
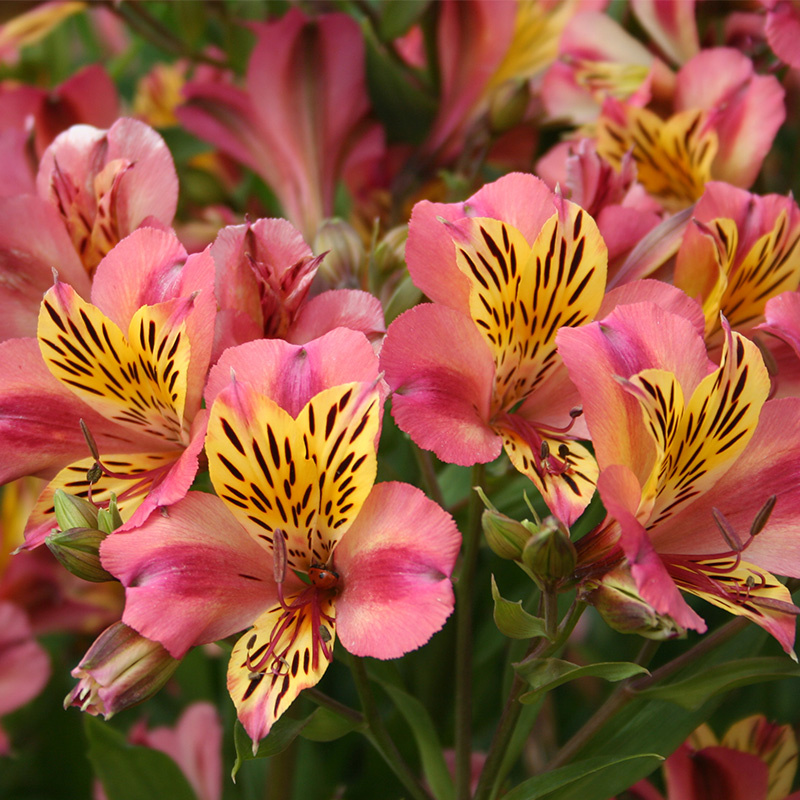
{"x": 78, "y": 549}
{"x": 120, "y": 669}
{"x": 74, "y": 512}
{"x": 617, "y": 598}
{"x": 505, "y": 536}
{"x": 109, "y": 519}
{"x": 345, "y": 258}
{"x": 549, "y": 553}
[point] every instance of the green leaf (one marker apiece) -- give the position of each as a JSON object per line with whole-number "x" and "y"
{"x": 544, "y": 674}
{"x": 131, "y": 773}
{"x": 434, "y": 767}
{"x": 405, "y": 110}
{"x": 282, "y": 734}
{"x": 397, "y": 18}
{"x": 543, "y": 785}
{"x": 692, "y": 692}
{"x": 513, "y": 620}
{"x": 325, "y": 725}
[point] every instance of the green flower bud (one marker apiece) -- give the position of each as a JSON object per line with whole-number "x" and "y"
{"x": 618, "y": 600}
{"x": 78, "y": 549}
{"x": 345, "y": 257}
{"x": 505, "y": 536}
{"x": 108, "y": 519}
{"x": 74, "y": 512}
{"x": 549, "y": 553}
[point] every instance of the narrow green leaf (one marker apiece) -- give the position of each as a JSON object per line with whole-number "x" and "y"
{"x": 544, "y": 674}
{"x": 128, "y": 772}
{"x": 282, "y": 734}
{"x": 397, "y": 18}
{"x": 434, "y": 767}
{"x": 542, "y": 785}
{"x": 513, "y": 620}
{"x": 325, "y": 725}
{"x": 692, "y": 692}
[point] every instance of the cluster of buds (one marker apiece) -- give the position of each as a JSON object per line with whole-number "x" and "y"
{"x": 83, "y": 527}
{"x": 542, "y": 548}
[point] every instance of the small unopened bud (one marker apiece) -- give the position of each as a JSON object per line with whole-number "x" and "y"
{"x": 549, "y": 553}
{"x": 74, "y": 512}
{"x": 345, "y": 257}
{"x": 390, "y": 252}
{"x": 505, "y": 536}
{"x": 109, "y": 519}
{"x": 120, "y": 669}
{"x": 78, "y": 549}
{"x": 617, "y": 599}
{"x": 508, "y": 105}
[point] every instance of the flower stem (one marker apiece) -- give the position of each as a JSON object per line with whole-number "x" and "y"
{"x": 379, "y": 736}
{"x": 626, "y": 691}
{"x": 322, "y": 699}
{"x": 429, "y": 479}
{"x": 465, "y": 589}
{"x": 540, "y": 648}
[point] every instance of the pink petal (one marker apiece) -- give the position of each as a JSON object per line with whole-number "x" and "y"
{"x": 395, "y": 563}
{"x": 192, "y": 575}
{"x": 783, "y": 32}
{"x": 621, "y": 494}
{"x": 24, "y": 664}
{"x": 17, "y": 170}
{"x": 748, "y": 108}
{"x": 632, "y": 338}
{"x": 292, "y": 374}
{"x": 441, "y": 372}
{"x": 33, "y": 241}
{"x": 339, "y": 308}
{"x": 143, "y": 269}
{"x": 735, "y": 775}
{"x": 194, "y": 744}
{"x": 671, "y": 25}
{"x": 783, "y": 319}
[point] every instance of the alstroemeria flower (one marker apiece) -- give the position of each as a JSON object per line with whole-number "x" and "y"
{"x": 292, "y": 454}
{"x": 681, "y": 442}
{"x": 725, "y": 117}
{"x": 477, "y": 369}
{"x": 755, "y": 760}
{"x": 742, "y": 251}
{"x": 132, "y": 365}
{"x": 302, "y": 122}
{"x": 264, "y": 271}
{"x": 94, "y": 188}
{"x": 782, "y": 28}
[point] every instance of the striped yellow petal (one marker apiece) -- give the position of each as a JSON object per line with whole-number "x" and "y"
{"x": 138, "y": 381}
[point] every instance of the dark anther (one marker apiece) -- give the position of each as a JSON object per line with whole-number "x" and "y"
{"x": 727, "y": 531}
{"x": 763, "y": 516}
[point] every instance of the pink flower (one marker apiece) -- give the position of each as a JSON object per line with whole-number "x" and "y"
{"x": 302, "y": 122}
{"x": 132, "y": 364}
{"x": 477, "y": 370}
{"x": 24, "y": 664}
{"x": 741, "y": 251}
{"x": 95, "y": 187}
{"x": 292, "y": 455}
{"x": 264, "y": 271}
{"x": 680, "y": 441}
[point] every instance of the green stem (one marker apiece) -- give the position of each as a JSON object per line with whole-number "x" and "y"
{"x": 379, "y": 736}
{"x": 540, "y": 648}
{"x": 465, "y": 590}
{"x": 280, "y": 781}
{"x": 322, "y": 699}
{"x": 626, "y": 691}
{"x": 429, "y": 478}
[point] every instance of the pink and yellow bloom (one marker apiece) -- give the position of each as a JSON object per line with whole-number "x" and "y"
{"x": 299, "y": 545}
{"x": 682, "y": 444}
{"x": 132, "y": 365}
{"x": 477, "y": 369}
